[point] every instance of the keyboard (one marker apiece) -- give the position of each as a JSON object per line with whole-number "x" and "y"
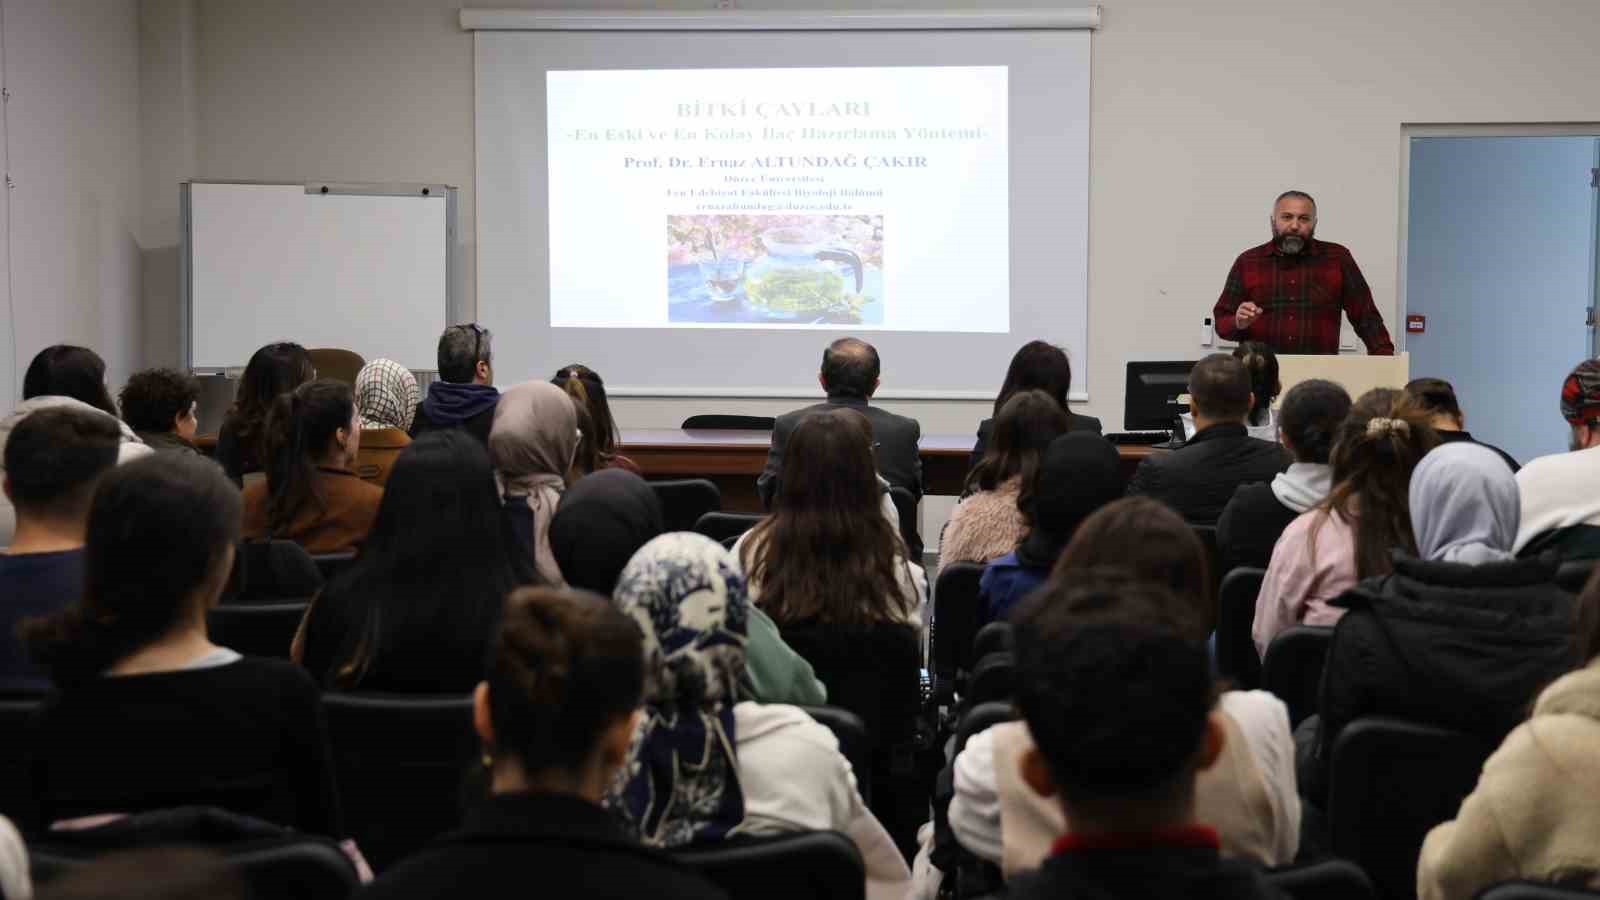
{"x": 1139, "y": 437}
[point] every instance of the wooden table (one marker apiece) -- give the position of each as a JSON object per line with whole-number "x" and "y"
{"x": 733, "y": 459}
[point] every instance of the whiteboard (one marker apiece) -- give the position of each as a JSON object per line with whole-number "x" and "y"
{"x": 367, "y": 268}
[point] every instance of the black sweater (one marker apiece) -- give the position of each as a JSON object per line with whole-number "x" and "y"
{"x": 1199, "y": 478}
{"x": 1250, "y": 526}
{"x": 248, "y": 736}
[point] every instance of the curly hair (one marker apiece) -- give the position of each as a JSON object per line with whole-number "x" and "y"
{"x": 154, "y": 398}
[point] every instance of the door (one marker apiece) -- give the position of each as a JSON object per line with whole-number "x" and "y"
{"x": 1500, "y": 259}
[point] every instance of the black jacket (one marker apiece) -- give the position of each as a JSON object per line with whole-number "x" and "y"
{"x": 1457, "y": 646}
{"x": 1451, "y": 437}
{"x": 1200, "y": 477}
{"x": 539, "y": 845}
{"x": 1141, "y": 874}
{"x": 896, "y": 437}
{"x": 986, "y": 430}
{"x": 1250, "y": 526}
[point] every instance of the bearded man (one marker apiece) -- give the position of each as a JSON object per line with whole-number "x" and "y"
{"x": 1288, "y": 292}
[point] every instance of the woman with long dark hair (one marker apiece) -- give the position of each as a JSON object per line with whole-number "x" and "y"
{"x": 273, "y": 370}
{"x": 414, "y": 614}
{"x": 598, "y": 448}
{"x": 1036, "y": 366}
{"x": 148, "y": 713}
{"x": 312, "y": 495}
{"x": 989, "y": 522}
{"x": 67, "y": 371}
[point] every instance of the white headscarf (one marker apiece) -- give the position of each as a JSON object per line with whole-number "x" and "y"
{"x": 1464, "y": 505}
{"x": 386, "y": 395}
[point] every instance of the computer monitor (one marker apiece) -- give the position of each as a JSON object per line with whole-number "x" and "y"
{"x": 1156, "y": 393}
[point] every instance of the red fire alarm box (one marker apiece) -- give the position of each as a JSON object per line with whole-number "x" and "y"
{"x": 1416, "y": 324}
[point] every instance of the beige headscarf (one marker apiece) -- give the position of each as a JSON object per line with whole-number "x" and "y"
{"x": 532, "y": 443}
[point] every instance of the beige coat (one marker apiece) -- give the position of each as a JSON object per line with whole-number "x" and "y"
{"x": 1535, "y": 813}
{"x": 985, "y": 525}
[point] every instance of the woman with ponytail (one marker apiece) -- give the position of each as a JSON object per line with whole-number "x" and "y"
{"x": 148, "y": 713}
{"x": 599, "y": 447}
{"x": 1262, "y": 364}
{"x": 1351, "y": 534}
{"x": 312, "y": 494}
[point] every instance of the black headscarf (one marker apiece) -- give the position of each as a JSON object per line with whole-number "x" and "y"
{"x": 1078, "y": 473}
{"x": 601, "y": 522}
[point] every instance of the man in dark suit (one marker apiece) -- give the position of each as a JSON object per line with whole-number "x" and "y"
{"x": 850, "y": 376}
{"x": 1198, "y": 479}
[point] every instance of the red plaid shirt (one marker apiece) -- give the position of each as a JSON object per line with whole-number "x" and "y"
{"x": 1300, "y": 297}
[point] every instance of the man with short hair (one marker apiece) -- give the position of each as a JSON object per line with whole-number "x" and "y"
{"x": 1198, "y": 479}
{"x": 53, "y": 459}
{"x": 1289, "y": 291}
{"x": 1561, "y": 492}
{"x": 1120, "y": 703}
{"x": 850, "y": 376}
{"x": 464, "y": 396}
{"x": 160, "y": 405}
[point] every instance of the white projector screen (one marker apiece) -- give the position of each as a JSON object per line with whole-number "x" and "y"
{"x": 700, "y": 213}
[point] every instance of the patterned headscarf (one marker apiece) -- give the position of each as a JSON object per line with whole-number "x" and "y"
{"x": 1580, "y": 393}
{"x": 531, "y": 443}
{"x": 386, "y": 395}
{"x": 1465, "y": 506}
{"x": 680, "y": 785}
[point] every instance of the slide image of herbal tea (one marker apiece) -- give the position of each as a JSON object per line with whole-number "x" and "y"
{"x": 788, "y": 269}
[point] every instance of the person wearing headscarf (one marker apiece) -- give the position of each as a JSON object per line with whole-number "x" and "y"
{"x": 1463, "y": 637}
{"x": 531, "y": 443}
{"x": 1079, "y": 472}
{"x": 386, "y": 401}
{"x": 707, "y": 764}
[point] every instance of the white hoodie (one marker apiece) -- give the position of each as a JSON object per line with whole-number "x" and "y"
{"x": 132, "y": 448}
{"x": 1303, "y": 485}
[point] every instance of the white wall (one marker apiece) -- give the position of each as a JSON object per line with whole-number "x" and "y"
{"x": 72, "y": 135}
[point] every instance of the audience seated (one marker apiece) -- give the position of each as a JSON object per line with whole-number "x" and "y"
{"x": 557, "y": 715}
{"x": 1041, "y": 366}
{"x": 274, "y": 370}
{"x": 53, "y": 459}
{"x": 531, "y": 445}
{"x": 599, "y": 447}
{"x": 311, "y": 494}
{"x": 1115, "y": 686}
{"x": 415, "y": 612}
{"x": 1532, "y": 815}
{"x": 988, "y": 522}
{"x": 1350, "y": 534}
{"x": 1078, "y": 474}
{"x": 1262, "y": 366}
{"x": 148, "y": 713}
{"x": 386, "y": 400}
{"x": 1464, "y": 635}
{"x": 1257, "y": 515}
{"x": 1250, "y": 795}
{"x": 1561, "y": 493}
{"x": 1198, "y": 478}
{"x": 1437, "y": 398}
{"x": 464, "y": 396}
{"x": 705, "y": 766}
{"x": 849, "y": 375}
{"x": 161, "y": 406}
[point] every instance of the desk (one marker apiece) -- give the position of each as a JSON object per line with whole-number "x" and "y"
{"x": 733, "y": 460}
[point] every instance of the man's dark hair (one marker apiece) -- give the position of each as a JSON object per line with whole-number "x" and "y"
{"x": 1436, "y": 396}
{"x": 1219, "y": 387}
{"x": 55, "y": 456}
{"x": 1310, "y": 417}
{"x": 461, "y": 348}
{"x": 1299, "y": 195}
{"x": 850, "y": 368}
{"x": 1115, "y": 690}
{"x": 153, "y": 399}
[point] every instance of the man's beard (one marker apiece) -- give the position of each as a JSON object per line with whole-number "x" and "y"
{"x": 1290, "y": 243}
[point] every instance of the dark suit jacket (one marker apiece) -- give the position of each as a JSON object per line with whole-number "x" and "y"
{"x": 539, "y": 845}
{"x": 899, "y": 461}
{"x": 1198, "y": 479}
{"x": 986, "y": 430}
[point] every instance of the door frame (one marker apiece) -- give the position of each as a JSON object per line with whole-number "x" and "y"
{"x": 1532, "y": 129}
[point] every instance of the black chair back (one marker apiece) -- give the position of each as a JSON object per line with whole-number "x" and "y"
{"x": 272, "y": 572}
{"x": 330, "y": 565}
{"x": 799, "y": 866}
{"x": 993, "y": 678}
{"x": 1393, "y": 781}
{"x": 955, "y": 622}
{"x": 685, "y": 500}
{"x": 851, "y": 733}
{"x": 992, "y": 638}
{"x": 400, "y": 763}
{"x": 1236, "y": 613}
{"x": 287, "y": 868}
{"x": 1292, "y": 670}
{"x": 255, "y": 629}
{"x": 17, "y": 715}
{"x": 721, "y": 422}
{"x": 905, "y": 508}
{"x": 719, "y": 526}
{"x": 1334, "y": 879}
{"x": 981, "y": 718}
{"x": 1533, "y": 890}
{"x": 874, "y": 672}
{"x": 1573, "y": 574}
{"x": 1208, "y": 538}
